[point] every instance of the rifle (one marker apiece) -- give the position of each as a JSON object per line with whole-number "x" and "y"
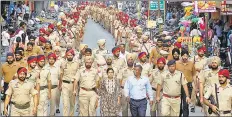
{"x": 214, "y": 102}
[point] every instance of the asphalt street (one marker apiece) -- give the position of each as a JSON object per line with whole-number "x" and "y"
{"x": 93, "y": 32}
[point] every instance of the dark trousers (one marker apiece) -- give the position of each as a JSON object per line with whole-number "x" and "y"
{"x": 184, "y": 107}
{"x": 5, "y": 87}
{"x": 138, "y": 107}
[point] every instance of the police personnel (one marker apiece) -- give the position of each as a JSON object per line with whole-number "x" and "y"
{"x": 171, "y": 82}
{"x": 45, "y": 87}
{"x": 224, "y": 95}
{"x": 147, "y": 68}
{"x": 19, "y": 92}
{"x": 124, "y": 73}
{"x": 55, "y": 72}
{"x": 209, "y": 77}
{"x": 88, "y": 83}
{"x": 101, "y": 47}
{"x": 155, "y": 77}
{"x": 117, "y": 62}
{"x": 69, "y": 69}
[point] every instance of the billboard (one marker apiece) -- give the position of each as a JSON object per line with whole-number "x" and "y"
{"x": 206, "y": 6}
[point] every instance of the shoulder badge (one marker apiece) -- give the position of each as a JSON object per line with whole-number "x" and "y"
{"x": 83, "y": 71}
{"x": 167, "y": 76}
{"x": 97, "y": 52}
{"x": 209, "y": 75}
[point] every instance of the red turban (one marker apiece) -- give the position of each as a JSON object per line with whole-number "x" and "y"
{"x": 31, "y": 59}
{"x": 115, "y": 49}
{"x": 52, "y": 55}
{"x": 42, "y": 30}
{"x": 141, "y": 54}
{"x": 42, "y": 39}
{"x": 40, "y": 57}
{"x": 224, "y": 72}
{"x": 63, "y": 30}
{"x": 23, "y": 69}
{"x": 202, "y": 49}
{"x": 51, "y": 26}
{"x": 177, "y": 44}
{"x": 70, "y": 51}
{"x": 161, "y": 60}
{"x": 64, "y": 22}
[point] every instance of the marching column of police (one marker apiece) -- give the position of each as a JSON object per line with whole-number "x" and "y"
{"x": 59, "y": 64}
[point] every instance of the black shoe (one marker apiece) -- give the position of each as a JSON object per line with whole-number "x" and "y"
{"x": 193, "y": 109}
{"x": 57, "y": 111}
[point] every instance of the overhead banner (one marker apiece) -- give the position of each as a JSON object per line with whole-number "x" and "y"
{"x": 120, "y": 5}
{"x": 206, "y": 6}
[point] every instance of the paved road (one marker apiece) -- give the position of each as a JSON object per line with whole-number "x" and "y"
{"x": 93, "y": 32}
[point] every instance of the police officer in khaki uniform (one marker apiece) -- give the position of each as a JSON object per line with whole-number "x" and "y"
{"x": 223, "y": 93}
{"x": 147, "y": 67}
{"x": 117, "y": 62}
{"x": 155, "y": 77}
{"x": 101, "y": 47}
{"x": 53, "y": 37}
{"x": 155, "y": 52}
{"x": 209, "y": 77}
{"x": 45, "y": 88}
{"x": 18, "y": 93}
{"x": 55, "y": 72}
{"x": 124, "y": 73}
{"x": 146, "y": 46}
{"x": 109, "y": 61}
{"x": 69, "y": 69}
{"x": 171, "y": 82}
{"x": 88, "y": 82}
{"x": 200, "y": 62}
{"x": 19, "y": 59}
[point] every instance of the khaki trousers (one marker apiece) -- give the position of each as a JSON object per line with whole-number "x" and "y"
{"x": 170, "y": 106}
{"x": 55, "y": 100}
{"x": 87, "y": 101}
{"x": 19, "y": 112}
{"x": 156, "y": 107}
{"x": 68, "y": 99}
{"x": 125, "y": 105}
{"x": 43, "y": 103}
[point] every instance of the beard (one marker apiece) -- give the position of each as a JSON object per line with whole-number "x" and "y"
{"x": 18, "y": 59}
{"x": 130, "y": 64}
{"x": 176, "y": 58}
{"x": 10, "y": 62}
{"x": 214, "y": 67}
{"x": 21, "y": 78}
{"x": 41, "y": 65}
{"x": 69, "y": 59}
{"x": 200, "y": 55}
{"x": 109, "y": 63}
{"x": 222, "y": 82}
{"x": 160, "y": 68}
{"x": 88, "y": 66}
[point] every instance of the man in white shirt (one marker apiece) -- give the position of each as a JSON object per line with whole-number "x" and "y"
{"x": 5, "y": 41}
{"x": 123, "y": 52}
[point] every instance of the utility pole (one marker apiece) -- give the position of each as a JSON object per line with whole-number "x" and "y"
{"x": 159, "y": 14}
{"x": 206, "y": 36}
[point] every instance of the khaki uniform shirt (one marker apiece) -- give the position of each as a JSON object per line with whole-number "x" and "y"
{"x": 45, "y": 76}
{"x": 54, "y": 38}
{"x": 8, "y": 71}
{"x": 188, "y": 69}
{"x": 172, "y": 83}
{"x": 200, "y": 63}
{"x": 146, "y": 47}
{"x": 101, "y": 52}
{"x": 20, "y": 93}
{"x": 37, "y": 50}
{"x": 29, "y": 53}
{"x": 208, "y": 77}
{"x": 224, "y": 96}
{"x": 124, "y": 73}
{"x": 33, "y": 76}
{"x": 156, "y": 77}
{"x": 87, "y": 78}
{"x": 55, "y": 73}
{"x": 69, "y": 70}
{"x": 118, "y": 62}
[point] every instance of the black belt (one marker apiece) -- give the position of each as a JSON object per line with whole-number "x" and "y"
{"x": 69, "y": 82}
{"x": 43, "y": 87}
{"x": 225, "y": 112}
{"x": 54, "y": 86}
{"x": 21, "y": 106}
{"x": 138, "y": 99}
{"x": 153, "y": 89}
